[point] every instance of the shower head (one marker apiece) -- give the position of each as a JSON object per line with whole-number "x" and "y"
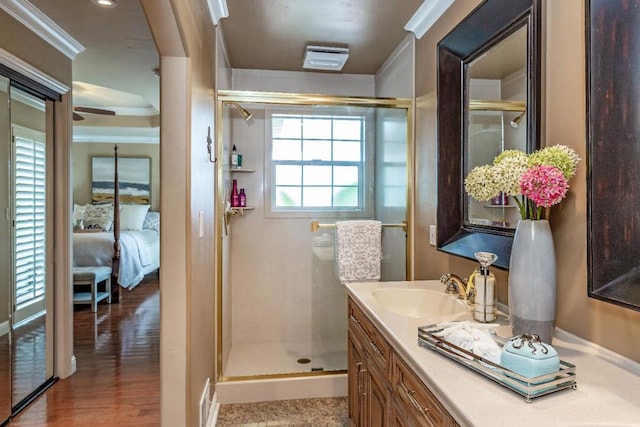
{"x": 246, "y": 115}
{"x": 516, "y": 122}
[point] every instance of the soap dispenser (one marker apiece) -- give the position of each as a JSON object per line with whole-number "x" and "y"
{"x": 484, "y": 307}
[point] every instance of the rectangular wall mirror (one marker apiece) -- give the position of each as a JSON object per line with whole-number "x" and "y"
{"x": 488, "y": 102}
{"x": 613, "y": 125}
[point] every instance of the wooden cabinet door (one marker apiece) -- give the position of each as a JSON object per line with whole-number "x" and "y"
{"x": 377, "y": 398}
{"x": 356, "y": 382}
{"x": 423, "y": 408}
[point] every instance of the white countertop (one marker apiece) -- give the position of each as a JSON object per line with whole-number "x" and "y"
{"x": 608, "y": 385}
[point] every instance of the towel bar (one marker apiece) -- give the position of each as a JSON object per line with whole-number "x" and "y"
{"x": 315, "y": 226}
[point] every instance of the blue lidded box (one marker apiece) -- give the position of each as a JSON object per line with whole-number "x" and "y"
{"x": 526, "y": 355}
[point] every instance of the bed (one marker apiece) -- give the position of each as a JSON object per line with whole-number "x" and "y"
{"x": 125, "y": 237}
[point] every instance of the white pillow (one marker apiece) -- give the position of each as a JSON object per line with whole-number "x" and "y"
{"x": 132, "y": 216}
{"x": 98, "y": 216}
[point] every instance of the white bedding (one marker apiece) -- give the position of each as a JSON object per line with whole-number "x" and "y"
{"x": 139, "y": 253}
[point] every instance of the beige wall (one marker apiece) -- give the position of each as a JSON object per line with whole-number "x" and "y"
{"x": 81, "y": 167}
{"x": 564, "y": 115}
{"x": 186, "y": 42}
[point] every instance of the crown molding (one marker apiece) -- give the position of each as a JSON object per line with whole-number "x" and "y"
{"x": 113, "y": 135}
{"x": 32, "y": 18}
{"x": 427, "y": 15}
{"x": 11, "y": 61}
{"x": 217, "y": 9}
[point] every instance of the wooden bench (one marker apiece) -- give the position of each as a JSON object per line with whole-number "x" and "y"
{"x": 90, "y": 277}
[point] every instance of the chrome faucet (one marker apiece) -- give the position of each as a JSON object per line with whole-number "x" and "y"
{"x": 455, "y": 285}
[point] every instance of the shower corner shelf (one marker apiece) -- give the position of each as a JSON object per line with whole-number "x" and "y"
{"x": 240, "y": 170}
{"x": 239, "y": 210}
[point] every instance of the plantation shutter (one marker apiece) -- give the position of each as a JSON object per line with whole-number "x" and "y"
{"x": 29, "y": 214}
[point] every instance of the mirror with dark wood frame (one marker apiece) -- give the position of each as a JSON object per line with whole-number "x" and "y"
{"x": 613, "y": 126}
{"x": 491, "y": 27}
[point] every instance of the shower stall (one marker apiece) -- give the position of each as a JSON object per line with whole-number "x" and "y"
{"x": 307, "y": 162}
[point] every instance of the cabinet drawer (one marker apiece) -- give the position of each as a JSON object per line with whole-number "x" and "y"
{"x": 424, "y": 408}
{"x": 378, "y": 348}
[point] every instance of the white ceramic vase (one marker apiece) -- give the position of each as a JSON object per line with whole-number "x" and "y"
{"x": 532, "y": 280}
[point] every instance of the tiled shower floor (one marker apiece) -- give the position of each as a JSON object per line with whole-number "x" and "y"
{"x": 329, "y": 412}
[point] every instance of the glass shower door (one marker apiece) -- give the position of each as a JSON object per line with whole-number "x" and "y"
{"x": 284, "y": 310}
{"x": 329, "y": 297}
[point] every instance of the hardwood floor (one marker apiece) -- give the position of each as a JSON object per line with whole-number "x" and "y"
{"x": 117, "y": 382}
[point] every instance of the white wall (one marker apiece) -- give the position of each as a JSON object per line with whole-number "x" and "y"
{"x": 304, "y": 82}
{"x": 396, "y": 76}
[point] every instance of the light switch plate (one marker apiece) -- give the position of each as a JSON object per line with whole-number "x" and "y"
{"x": 432, "y": 235}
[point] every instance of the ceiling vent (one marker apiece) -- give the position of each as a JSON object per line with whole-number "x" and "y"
{"x": 325, "y": 58}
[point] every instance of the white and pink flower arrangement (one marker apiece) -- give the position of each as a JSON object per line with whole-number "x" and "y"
{"x": 541, "y": 177}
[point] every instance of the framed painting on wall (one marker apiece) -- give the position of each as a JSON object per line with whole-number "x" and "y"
{"x": 134, "y": 177}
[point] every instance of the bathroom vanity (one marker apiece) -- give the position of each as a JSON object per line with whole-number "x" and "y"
{"x": 394, "y": 381}
{"x": 381, "y": 386}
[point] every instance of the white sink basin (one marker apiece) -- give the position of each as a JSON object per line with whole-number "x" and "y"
{"x": 418, "y": 302}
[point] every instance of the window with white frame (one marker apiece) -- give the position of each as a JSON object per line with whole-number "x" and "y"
{"x": 30, "y": 214}
{"x": 317, "y": 162}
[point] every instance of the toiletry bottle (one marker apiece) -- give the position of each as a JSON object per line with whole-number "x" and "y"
{"x": 234, "y": 157}
{"x": 235, "y": 197}
{"x": 242, "y": 198}
{"x": 484, "y": 307}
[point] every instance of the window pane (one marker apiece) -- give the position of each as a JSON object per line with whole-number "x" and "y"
{"x": 316, "y": 128}
{"x": 286, "y": 126}
{"x": 346, "y": 151}
{"x": 345, "y": 175}
{"x": 288, "y": 197}
{"x": 317, "y": 150}
{"x": 347, "y": 129}
{"x": 317, "y": 161}
{"x": 345, "y": 196}
{"x": 287, "y": 149}
{"x": 288, "y": 175}
{"x": 317, "y": 175}
{"x": 317, "y": 196}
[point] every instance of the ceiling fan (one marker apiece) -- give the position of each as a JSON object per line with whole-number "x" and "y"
{"x": 89, "y": 110}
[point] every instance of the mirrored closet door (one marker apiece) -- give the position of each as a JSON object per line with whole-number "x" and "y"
{"x": 26, "y": 325}
{"x": 5, "y": 255}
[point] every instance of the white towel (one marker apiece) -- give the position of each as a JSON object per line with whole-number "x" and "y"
{"x": 358, "y": 250}
{"x": 472, "y": 337}
{"x": 490, "y": 351}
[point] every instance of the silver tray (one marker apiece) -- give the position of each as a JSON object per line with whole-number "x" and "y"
{"x": 529, "y": 388}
